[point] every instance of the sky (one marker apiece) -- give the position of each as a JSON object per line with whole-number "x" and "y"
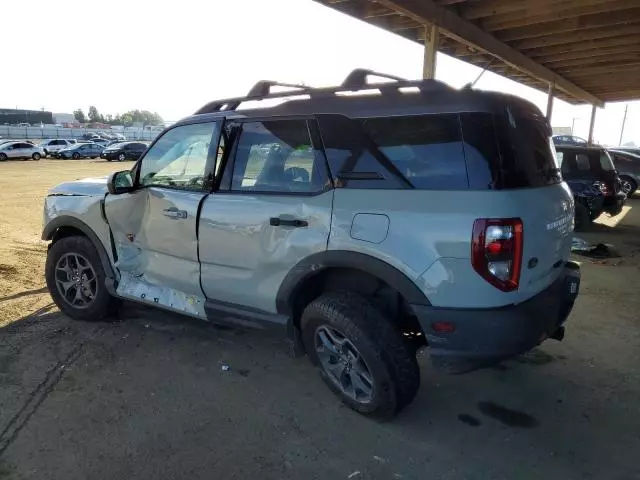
{"x": 174, "y": 57}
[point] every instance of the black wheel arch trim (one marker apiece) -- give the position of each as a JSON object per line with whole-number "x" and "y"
{"x": 73, "y": 222}
{"x": 318, "y": 262}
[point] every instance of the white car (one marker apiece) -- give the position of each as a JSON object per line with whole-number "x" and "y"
{"x": 55, "y": 145}
{"x": 20, "y": 150}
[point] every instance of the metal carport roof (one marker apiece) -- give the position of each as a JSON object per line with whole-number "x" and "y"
{"x": 581, "y": 50}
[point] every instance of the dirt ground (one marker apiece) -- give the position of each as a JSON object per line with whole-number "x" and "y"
{"x": 146, "y": 397}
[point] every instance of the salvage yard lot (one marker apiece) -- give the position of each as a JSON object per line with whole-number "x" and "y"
{"x": 146, "y": 397}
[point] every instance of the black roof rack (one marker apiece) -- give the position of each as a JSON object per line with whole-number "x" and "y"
{"x": 356, "y": 80}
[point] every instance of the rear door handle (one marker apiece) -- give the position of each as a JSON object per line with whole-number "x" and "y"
{"x": 286, "y": 222}
{"x": 174, "y": 213}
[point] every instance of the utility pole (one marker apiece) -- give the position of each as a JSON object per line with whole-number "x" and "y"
{"x": 624, "y": 120}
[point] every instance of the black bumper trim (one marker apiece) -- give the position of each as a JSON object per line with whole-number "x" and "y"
{"x": 484, "y": 337}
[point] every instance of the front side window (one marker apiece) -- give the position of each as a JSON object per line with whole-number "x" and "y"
{"x": 179, "y": 158}
{"x": 276, "y": 156}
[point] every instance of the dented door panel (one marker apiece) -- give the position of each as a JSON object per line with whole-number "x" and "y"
{"x": 154, "y": 232}
{"x": 244, "y": 257}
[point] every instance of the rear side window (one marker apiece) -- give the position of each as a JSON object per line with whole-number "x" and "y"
{"x": 481, "y": 151}
{"x": 582, "y": 162}
{"x": 423, "y": 151}
{"x": 527, "y": 159}
{"x": 426, "y": 150}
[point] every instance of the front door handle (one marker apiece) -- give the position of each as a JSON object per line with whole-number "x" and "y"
{"x": 174, "y": 213}
{"x": 287, "y": 222}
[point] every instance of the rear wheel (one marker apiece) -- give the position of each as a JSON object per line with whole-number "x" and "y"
{"x": 75, "y": 279}
{"x": 361, "y": 356}
{"x": 36, "y": 156}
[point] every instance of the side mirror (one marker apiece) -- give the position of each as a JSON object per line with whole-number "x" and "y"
{"x": 120, "y": 182}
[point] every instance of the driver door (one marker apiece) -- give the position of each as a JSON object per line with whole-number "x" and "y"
{"x": 154, "y": 227}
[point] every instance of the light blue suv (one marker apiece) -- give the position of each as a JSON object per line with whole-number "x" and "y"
{"x": 363, "y": 227}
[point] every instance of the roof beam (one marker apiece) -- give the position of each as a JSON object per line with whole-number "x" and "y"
{"x": 572, "y": 24}
{"x": 488, "y": 9}
{"x": 581, "y": 55}
{"x": 577, "y": 36}
{"x": 597, "y": 58}
{"x": 539, "y": 14}
{"x": 427, "y": 11}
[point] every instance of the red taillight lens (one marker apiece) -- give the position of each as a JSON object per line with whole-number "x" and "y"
{"x": 496, "y": 251}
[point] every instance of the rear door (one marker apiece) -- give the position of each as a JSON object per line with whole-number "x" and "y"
{"x": 273, "y": 209}
{"x": 155, "y": 227}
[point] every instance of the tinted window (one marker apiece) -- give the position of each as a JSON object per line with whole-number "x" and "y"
{"x": 582, "y": 162}
{"x": 527, "y": 159}
{"x": 426, "y": 149}
{"x": 276, "y": 157}
{"x": 179, "y": 158}
{"x": 605, "y": 162}
{"x": 481, "y": 150}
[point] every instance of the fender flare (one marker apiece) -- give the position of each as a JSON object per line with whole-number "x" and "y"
{"x": 318, "y": 262}
{"x": 73, "y": 222}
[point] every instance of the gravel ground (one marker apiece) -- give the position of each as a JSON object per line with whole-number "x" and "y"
{"x": 146, "y": 396}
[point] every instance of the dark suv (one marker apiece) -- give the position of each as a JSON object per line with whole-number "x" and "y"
{"x": 124, "y": 151}
{"x": 594, "y": 181}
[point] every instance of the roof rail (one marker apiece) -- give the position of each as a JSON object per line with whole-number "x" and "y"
{"x": 356, "y": 80}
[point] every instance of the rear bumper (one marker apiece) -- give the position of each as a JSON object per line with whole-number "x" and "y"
{"x": 484, "y": 337}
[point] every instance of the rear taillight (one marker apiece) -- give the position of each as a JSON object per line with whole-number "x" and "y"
{"x": 496, "y": 251}
{"x": 602, "y": 187}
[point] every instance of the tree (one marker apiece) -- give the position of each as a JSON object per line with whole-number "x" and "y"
{"x": 94, "y": 116}
{"x": 79, "y": 115}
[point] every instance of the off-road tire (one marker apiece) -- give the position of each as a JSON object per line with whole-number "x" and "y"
{"x": 392, "y": 363}
{"x": 582, "y": 218}
{"x": 103, "y": 305}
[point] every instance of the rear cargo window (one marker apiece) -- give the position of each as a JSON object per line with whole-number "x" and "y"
{"x": 525, "y": 150}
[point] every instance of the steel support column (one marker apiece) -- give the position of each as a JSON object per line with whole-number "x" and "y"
{"x": 552, "y": 90}
{"x": 431, "y": 36}
{"x": 593, "y": 121}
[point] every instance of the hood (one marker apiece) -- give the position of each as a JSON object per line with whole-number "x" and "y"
{"x": 86, "y": 187}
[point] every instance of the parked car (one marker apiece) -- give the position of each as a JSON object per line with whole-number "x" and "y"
{"x": 398, "y": 220}
{"x": 586, "y": 168}
{"x": 634, "y": 150}
{"x": 569, "y": 140}
{"x": 54, "y": 145}
{"x": 20, "y": 150}
{"x": 101, "y": 141}
{"x": 124, "y": 151}
{"x": 628, "y": 167}
{"x": 81, "y": 150}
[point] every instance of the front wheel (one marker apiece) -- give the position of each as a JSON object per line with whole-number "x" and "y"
{"x": 361, "y": 356}
{"x": 75, "y": 156}
{"x": 121, "y": 157}
{"x": 76, "y": 279}
{"x": 36, "y": 156}
{"x": 3, "y": 157}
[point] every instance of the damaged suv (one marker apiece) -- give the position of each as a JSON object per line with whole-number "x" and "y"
{"x": 363, "y": 227}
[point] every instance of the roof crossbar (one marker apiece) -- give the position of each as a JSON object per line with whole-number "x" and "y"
{"x": 355, "y": 81}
